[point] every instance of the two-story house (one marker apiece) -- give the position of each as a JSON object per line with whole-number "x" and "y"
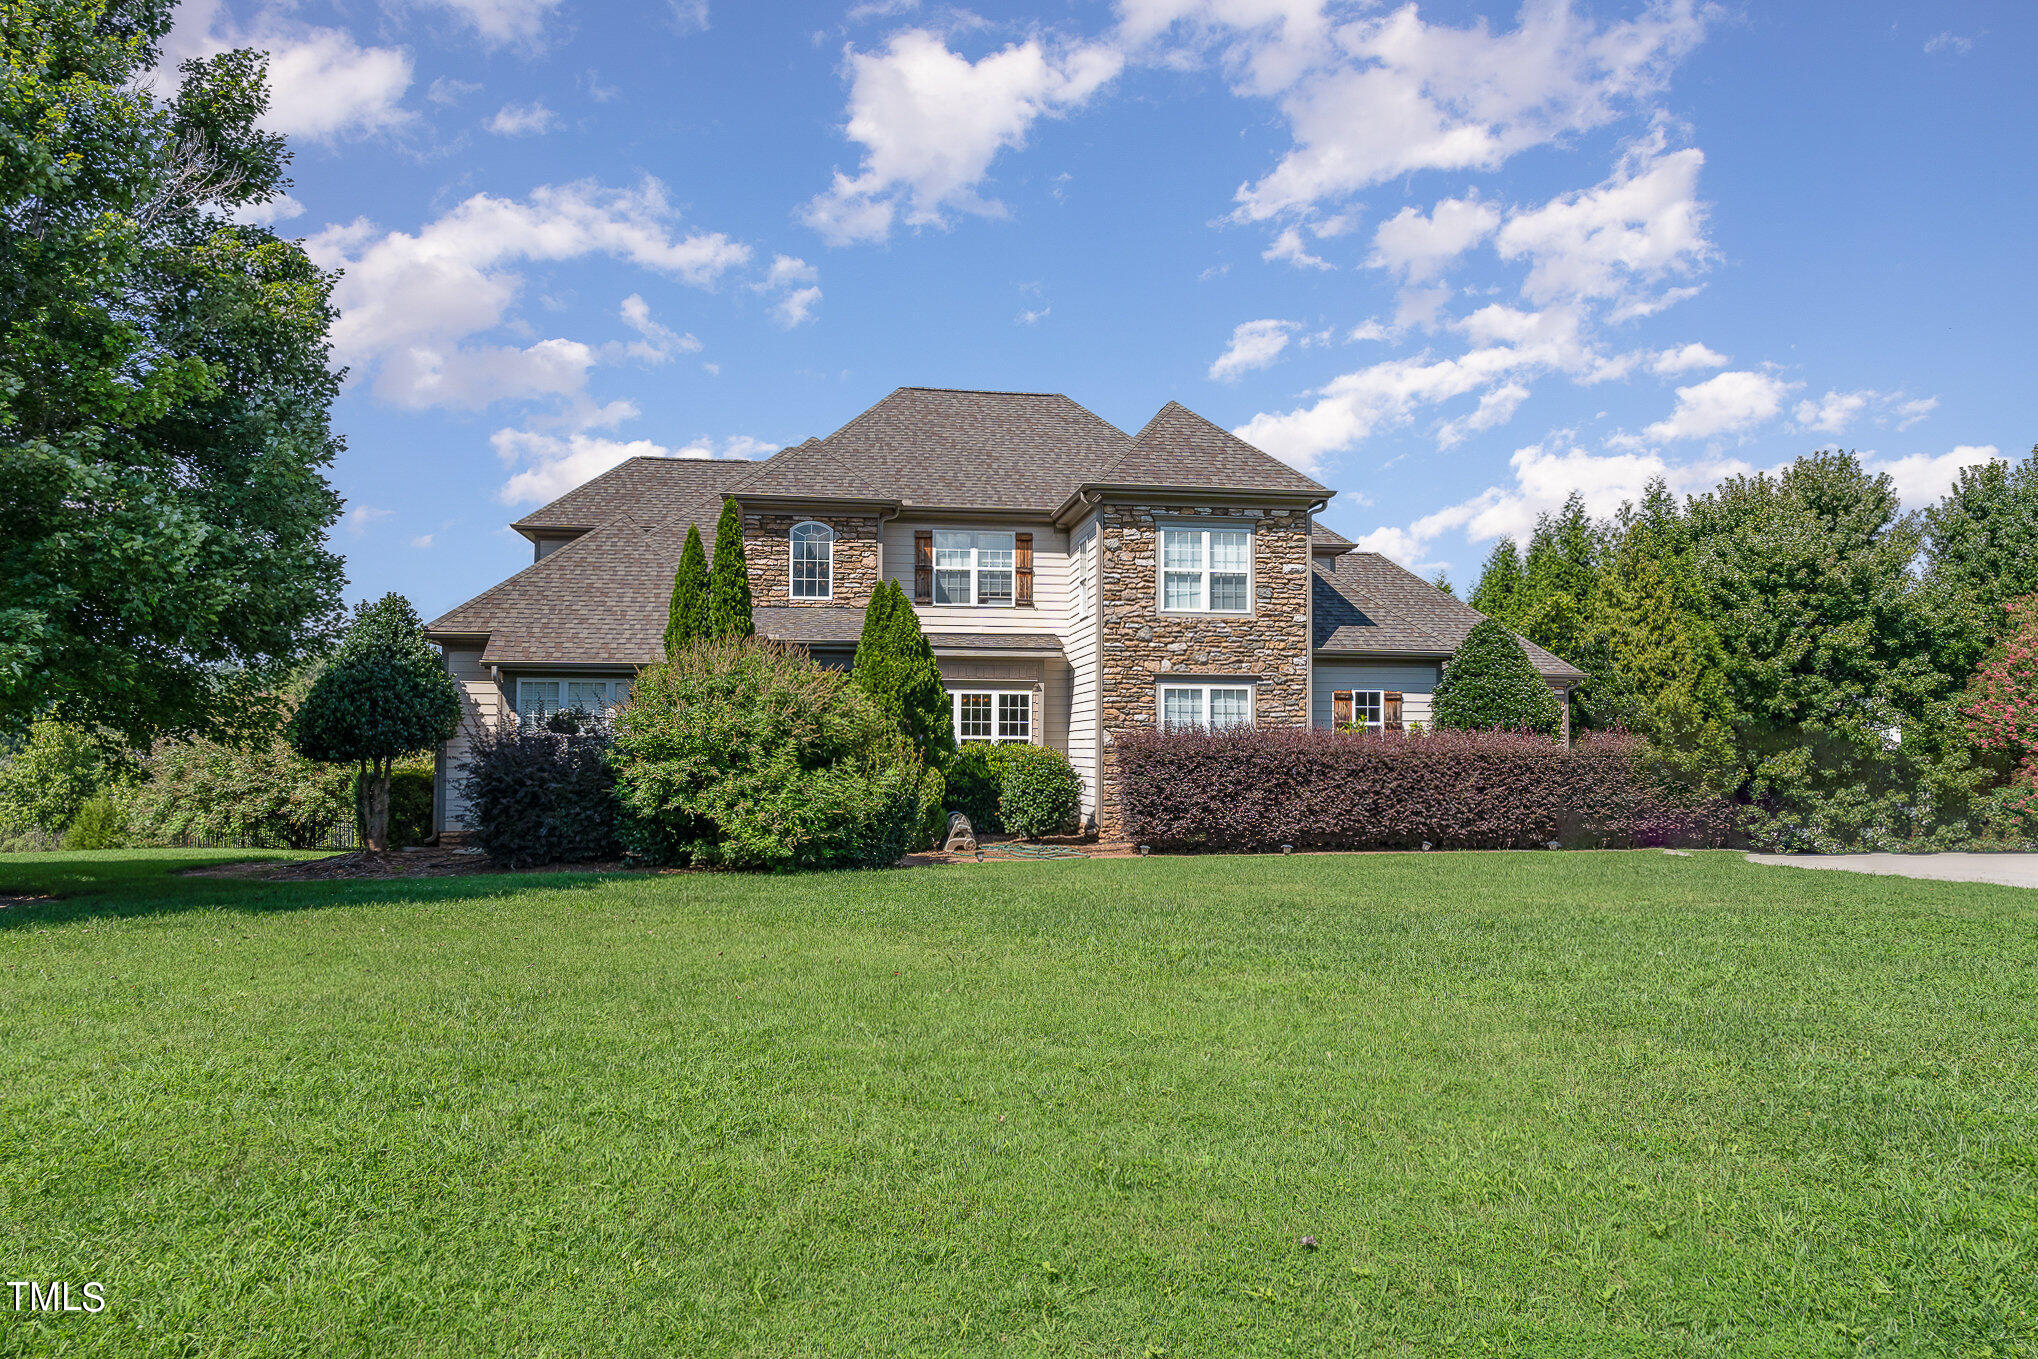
{"x": 1074, "y": 580}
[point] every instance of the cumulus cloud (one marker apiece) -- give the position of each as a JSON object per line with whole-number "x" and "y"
{"x": 1837, "y": 411}
{"x": 281, "y": 208}
{"x": 795, "y": 285}
{"x": 1922, "y": 478}
{"x": 1686, "y": 359}
{"x": 1635, "y": 229}
{"x": 656, "y": 343}
{"x": 1288, "y": 247}
{"x": 323, "y": 85}
{"x": 1371, "y": 98}
{"x": 931, "y": 122}
{"x": 553, "y": 464}
{"x": 1254, "y": 344}
{"x": 358, "y": 520}
{"x": 521, "y": 120}
{"x": 1418, "y": 247}
{"x": 502, "y": 21}
{"x": 1728, "y": 403}
{"x": 1949, "y": 42}
{"x": 408, "y": 301}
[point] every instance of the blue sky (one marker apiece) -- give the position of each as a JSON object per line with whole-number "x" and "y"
{"x": 1453, "y": 259}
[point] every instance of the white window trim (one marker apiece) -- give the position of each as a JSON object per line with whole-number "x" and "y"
{"x": 976, "y": 602}
{"x": 1160, "y": 699}
{"x": 614, "y": 700}
{"x": 1160, "y": 567}
{"x": 1083, "y": 565}
{"x": 791, "y": 565}
{"x": 1380, "y": 694}
{"x": 956, "y": 696}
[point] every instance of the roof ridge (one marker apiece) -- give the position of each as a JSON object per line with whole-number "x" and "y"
{"x": 989, "y": 391}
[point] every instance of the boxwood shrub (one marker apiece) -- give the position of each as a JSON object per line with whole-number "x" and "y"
{"x": 1258, "y": 790}
{"x": 1039, "y": 792}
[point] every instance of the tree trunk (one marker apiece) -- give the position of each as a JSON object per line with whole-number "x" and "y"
{"x": 378, "y": 808}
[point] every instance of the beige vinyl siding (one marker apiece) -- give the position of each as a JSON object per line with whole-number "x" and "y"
{"x": 1414, "y": 680}
{"x": 481, "y": 704}
{"x": 1079, "y": 643}
{"x": 1049, "y": 612}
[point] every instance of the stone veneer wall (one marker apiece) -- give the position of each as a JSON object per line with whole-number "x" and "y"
{"x": 1140, "y": 644}
{"x": 768, "y": 549}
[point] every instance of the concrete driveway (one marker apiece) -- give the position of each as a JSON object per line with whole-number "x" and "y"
{"x": 2010, "y": 870}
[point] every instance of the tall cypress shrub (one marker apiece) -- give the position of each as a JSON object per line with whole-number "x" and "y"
{"x": 1489, "y": 684}
{"x": 729, "y": 581}
{"x": 895, "y": 665}
{"x": 688, "y": 619}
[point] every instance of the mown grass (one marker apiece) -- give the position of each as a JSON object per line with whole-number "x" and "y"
{"x": 1537, "y": 1104}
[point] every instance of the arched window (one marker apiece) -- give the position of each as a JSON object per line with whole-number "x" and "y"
{"x": 813, "y": 561}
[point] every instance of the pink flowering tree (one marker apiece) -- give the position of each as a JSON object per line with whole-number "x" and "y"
{"x": 2000, "y": 707}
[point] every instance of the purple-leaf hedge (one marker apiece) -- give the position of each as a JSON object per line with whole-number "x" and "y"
{"x": 1258, "y": 790}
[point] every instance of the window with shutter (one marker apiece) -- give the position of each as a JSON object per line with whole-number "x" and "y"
{"x": 923, "y": 566}
{"x": 1022, "y": 569}
{"x": 1393, "y": 715}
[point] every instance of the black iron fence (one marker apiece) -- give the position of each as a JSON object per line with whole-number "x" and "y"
{"x": 339, "y": 835}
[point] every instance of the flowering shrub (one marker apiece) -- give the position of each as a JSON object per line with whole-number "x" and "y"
{"x": 1257, "y": 790}
{"x": 2000, "y": 707}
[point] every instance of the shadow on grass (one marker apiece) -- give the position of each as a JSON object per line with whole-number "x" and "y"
{"x": 57, "y": 889}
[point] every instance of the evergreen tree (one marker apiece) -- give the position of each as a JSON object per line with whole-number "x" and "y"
{"x": 1442, "y": 580}
{"x": 687, "y": 620}
{"x": 729, "y": 581}
{"x": 1657, "y": 668}
{"x": 1557, "y": 579}
{"x": 1490, "y": 684}
{"x": 895, "y": 665}
{"x": 1981, "y": 553}
{"x": 1499, "y": 589}
{"x": 383, "y": 697}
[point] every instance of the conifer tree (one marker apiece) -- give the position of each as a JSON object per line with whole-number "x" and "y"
{"x": 1499, "y": 589}
{"x": 895, "y": 665}
{"x": 688, "y": 619}
{"x": 1489, "y": 684}
{"x": 1657, "y": 667}
{"x": 728, "y": 613}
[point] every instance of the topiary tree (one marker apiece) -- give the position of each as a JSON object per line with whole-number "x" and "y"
{"x": 895, "y": 665}
{"x": 688, "y": 619}
{"x": 729, "y": 582}
{"x": 1490, "y": 685}
{"x": 383, "y": 697}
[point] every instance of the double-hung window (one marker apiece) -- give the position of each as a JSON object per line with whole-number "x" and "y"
{"x": 538, "y": 699}
{"x": 1206, "y": 570}
{"x": 992, "y": 715}
{"x": 813, "y": 556}
{"x": 1083, "y": 563}
{"x": 1206, "y": 707}
{"x": 973, "y": 568}
{"x": 1368, "y": 710}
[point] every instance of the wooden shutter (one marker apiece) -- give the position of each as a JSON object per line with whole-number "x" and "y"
{"x": 1022, "y": 569}
{"x": 1341, "y": 709}
{"x": 1393, "y": 713}
{"x": 923, "y": 566}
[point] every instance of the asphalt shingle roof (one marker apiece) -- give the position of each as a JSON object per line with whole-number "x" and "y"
{"x": 1366, "y": 604}
{"x": 650, "y": 488}
{"x": 1180, "y": 448}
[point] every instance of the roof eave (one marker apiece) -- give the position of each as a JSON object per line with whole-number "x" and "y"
{"x": 1229, "y": 495}
{"x": 788, "y": 499}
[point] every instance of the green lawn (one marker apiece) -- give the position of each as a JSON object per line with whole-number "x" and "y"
{"x": 1526, "y": 1103}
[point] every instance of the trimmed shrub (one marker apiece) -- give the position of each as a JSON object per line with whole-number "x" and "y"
{"x": 933, "y": 811}
{"x": 1258, "y": 790}
{"x": 1489, "y": 684}
{"x": 746, "y": 754}
{"x": 264, "y": 790}
{"x": 1039, "y": 792}
{"x": 976, "y": 775}
{"x": 100, "y": 824}
{"x": 540, "y": 797}
{"x": 410, "y": 805}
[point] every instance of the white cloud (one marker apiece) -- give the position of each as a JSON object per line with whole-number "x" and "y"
{"x": 521, "y": 120}
{"x": 657, "y": 343}
{"x": 1728, "y": 403}
{"x": 1032, "y": 317}
{"x": 1922, "y": 478}
{"x": 409, "y": 301}
{"x": 1688, "y": 358}
{"x": 423, "y": 540}
{"x": 281, "y": 208}
{"x": 1419, "y": 247}
{"x": 1836, "y": 411}
{"x": 357, "y": 520}
{"x": 445, "y": 91}
{"x": 1288, "y": 246}
{"x": 689, "y": 16}
{"x": 553, "y": 464}
{"x": 932, "y": 121}
{"x": 322, "y": 83}
{"x": 1637, "y": 228}
{"x": 1254, "y": 344}
{"x": 1949, "y": 42}
{"x": 1496, "y": 407}
{"x": 797, "y": 284}
{"x": 503, "y": 21}
{"x": 1372, "y": 97}
{"x": 1369, "y": 330}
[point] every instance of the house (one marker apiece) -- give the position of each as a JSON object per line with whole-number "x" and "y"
{"x": 1073, "y": 580}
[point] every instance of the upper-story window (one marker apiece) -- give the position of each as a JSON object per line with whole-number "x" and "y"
{"x": 1206, "y": 570}
{"x": 973, "y": 568}
{"x": 813, "y": 561}
{"x": 1083, "y": 563}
